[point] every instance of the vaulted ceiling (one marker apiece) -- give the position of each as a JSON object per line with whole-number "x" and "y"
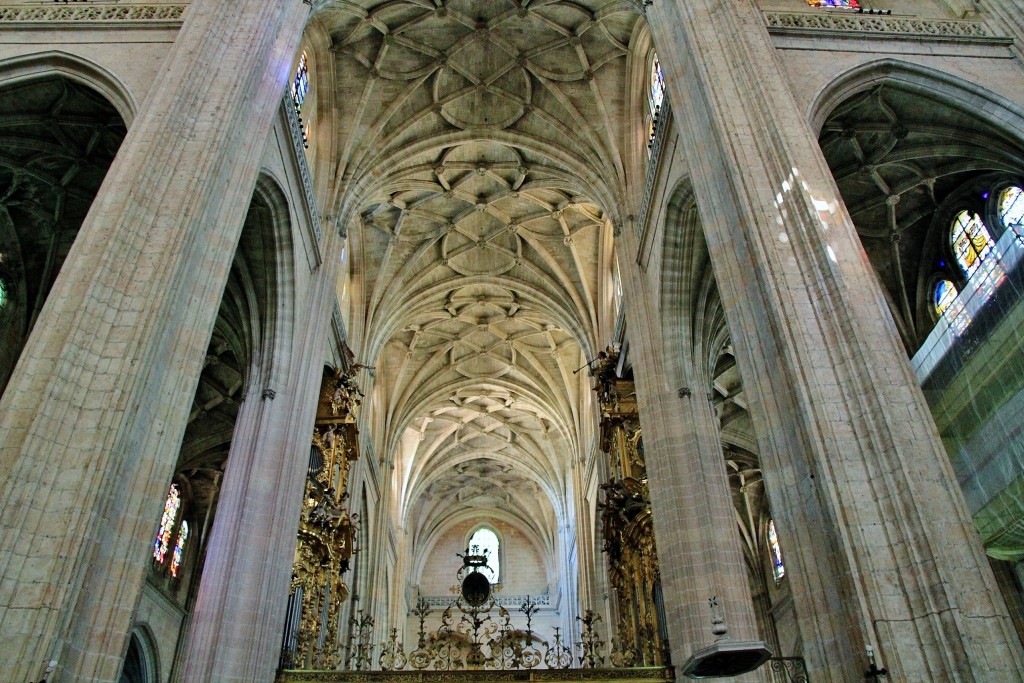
{"x": 897, "y": 156}
{"x": 481, "y": 144}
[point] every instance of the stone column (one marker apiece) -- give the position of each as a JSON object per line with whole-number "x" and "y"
{"x": 237, "y": 623}
{"x": 699, "y": 548}
{"x": 92, "y": 419}
{"x": 881, "y": 549}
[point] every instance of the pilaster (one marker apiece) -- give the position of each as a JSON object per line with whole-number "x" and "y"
{"x": 883, "y": 552}
{"x": 93, "y": 416}
{"x": 239, "y": 614}
{"x": 699, "y": 549}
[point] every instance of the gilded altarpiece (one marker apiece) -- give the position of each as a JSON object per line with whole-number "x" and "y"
{"x": 326, "y": 533}
{"x": 626, "y": 524}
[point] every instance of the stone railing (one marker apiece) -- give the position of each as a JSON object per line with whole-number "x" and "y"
{"x": 440, "y": 602}
{"x": 147, "y": 14}
{"x": 657, "y": 144}
{"x": 845, "y": 22}
{"x": 300, "y": 157}
{"x": 480, "y": 676}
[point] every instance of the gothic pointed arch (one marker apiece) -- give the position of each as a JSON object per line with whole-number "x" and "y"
{"x": 75, "y": 68}
{"x": 904, "y": 142}
{"x": 58, "y": 138}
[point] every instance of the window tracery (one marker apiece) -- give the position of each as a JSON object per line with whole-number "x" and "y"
{"x": 970, "y": 241}
{"x": 485, "y": 542}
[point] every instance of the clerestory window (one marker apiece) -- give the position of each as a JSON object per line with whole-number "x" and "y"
{"x": 778, "y": 566}
{"x": 300, "y": 89}
{"x": 171, "y": 526}
{"x": 485, "y": 542}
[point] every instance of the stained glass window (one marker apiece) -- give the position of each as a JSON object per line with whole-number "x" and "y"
{"x": 179, "y": 548}
{"x": 657, "y": 84}
{"x": 778, "y": 568}
{"x": 945, "y": 296}
{"x": 970, "y": 240}
{"x": 300, "y": 84}
{"x": 1011, "y": 210}
{"x": 485, "y": 542}
{"x": 947, "y": 303}
{"x": 851, "y": 4}
{"x": 3, "y": 294}
{"x": 163, "y": 536}
{"x": 300, "y": 88}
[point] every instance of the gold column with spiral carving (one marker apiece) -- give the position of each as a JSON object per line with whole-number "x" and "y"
{"x": 326, "y": 529}
{"x": 626, "y": 524}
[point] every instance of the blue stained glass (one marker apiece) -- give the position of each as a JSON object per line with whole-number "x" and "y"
{"x": 778, "y": 568}
{"x": 300, "y": 84}
{"x": 852, "y": 4}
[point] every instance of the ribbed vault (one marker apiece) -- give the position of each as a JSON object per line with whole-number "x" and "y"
{"x": 480, "y": 157}
{"x": 897, "y": 156}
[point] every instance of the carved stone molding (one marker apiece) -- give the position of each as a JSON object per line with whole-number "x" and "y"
{"x": 90, "y": 12}
{"x": 784, "y": 22}
{"x": 441, "y": 602}
{"x": 661, "y": 128}
{"x": 300, "y": 156}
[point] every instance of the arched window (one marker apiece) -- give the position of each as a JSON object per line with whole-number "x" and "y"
{"x": 485, "y": 542}
{"x": 947, "y": 303}
{"x": 778, "y": 567}
{"x": 300, "y": 89}
{"x": 300, "y": 84}
{"x": 945, "y": 297}
{"x": 655, "y": 96}
{"x": 1011, "y": 210}
{"x": 970, "y": 241}
{"x": 179, "y": 548}
{"x": 169, "y": 522}
{"x": 163, "y": 535}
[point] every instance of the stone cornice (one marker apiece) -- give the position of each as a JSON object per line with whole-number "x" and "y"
{"x": 864, "y": 24}
{"x": 93, "y": 13}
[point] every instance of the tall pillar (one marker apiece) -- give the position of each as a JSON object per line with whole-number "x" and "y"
{"x": 239, "y": 615}
{"x": 93, "y": 416}
{"x": 699, "y": 549}
{"x": 882, "y": 551}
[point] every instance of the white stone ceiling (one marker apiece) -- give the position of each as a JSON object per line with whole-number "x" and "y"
{"x": 480, "y": 147}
